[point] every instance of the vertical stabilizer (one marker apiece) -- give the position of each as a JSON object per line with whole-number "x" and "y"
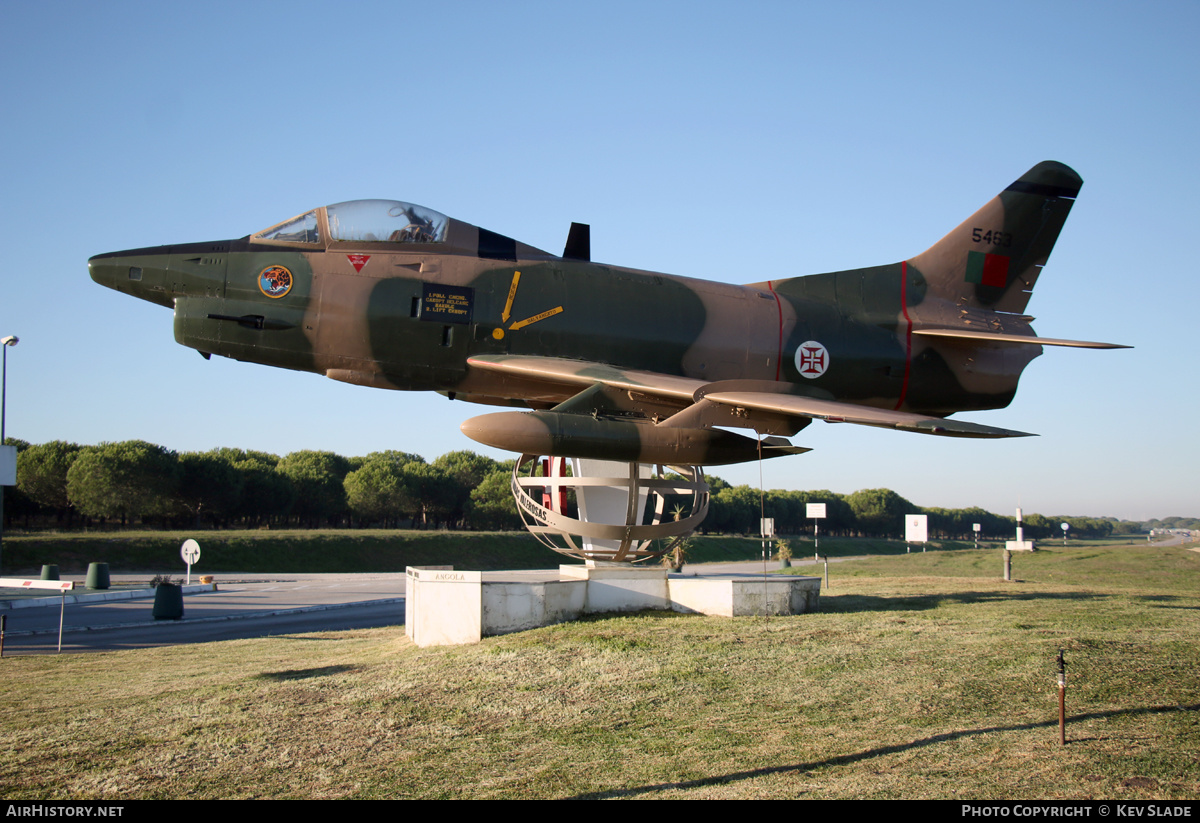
{"x": 993, "y": 259}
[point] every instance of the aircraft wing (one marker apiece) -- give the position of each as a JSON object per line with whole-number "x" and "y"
{"x": 688, "y": 393}
{"x": 581, "y": 373}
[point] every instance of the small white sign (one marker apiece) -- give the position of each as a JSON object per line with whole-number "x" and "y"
{"x": 814, "y": 511}
{"x": 916, "y": 528}
{"x": 8, "y": 465}
{"x": 768, "y": 527}
{"x": 190, "y": 551}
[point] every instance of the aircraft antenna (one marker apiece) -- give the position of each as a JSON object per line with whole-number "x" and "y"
{"x": 762, "y": 521}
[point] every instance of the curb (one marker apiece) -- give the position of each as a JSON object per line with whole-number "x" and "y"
{"x": 94, "y": 597}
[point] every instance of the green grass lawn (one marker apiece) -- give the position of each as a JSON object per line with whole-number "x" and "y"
{"x": 924, "y": 676}
{"x": 369, "y": 550}
{"x": 312, "y": 551}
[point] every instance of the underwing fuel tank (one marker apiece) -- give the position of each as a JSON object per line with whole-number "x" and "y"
{"x": 581, "y": 435}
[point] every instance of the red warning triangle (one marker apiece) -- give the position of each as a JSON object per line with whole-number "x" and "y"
{"x": 358, "y": 260}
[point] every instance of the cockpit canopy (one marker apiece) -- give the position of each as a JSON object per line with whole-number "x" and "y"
{"x": 360, "y": 221}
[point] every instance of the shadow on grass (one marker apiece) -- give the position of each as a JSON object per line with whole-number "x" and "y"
{"x": 751, "y": 774}
{"x": 922, "y": 602}
{"x": 304, "y": 674}
{"x": 1168, "y": 600}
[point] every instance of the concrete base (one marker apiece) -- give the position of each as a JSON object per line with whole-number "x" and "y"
{"x": 446, "y": 607}
{"x": 742, "y": 597}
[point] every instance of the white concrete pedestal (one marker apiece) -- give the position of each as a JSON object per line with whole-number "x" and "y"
{"x": 446, "y": 607}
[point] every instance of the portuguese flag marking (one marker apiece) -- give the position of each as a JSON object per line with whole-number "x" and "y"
{"x": 987, "y": 269}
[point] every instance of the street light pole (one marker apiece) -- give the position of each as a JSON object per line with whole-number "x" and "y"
{"x": 11, "y": 340}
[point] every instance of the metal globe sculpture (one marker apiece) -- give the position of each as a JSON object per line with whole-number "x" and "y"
{"x": 606, "y": 512}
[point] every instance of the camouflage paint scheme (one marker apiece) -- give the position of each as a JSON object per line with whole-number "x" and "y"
{"x": 619, "y": 363}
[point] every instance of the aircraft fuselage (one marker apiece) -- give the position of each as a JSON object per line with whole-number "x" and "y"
{"x": 392, "y": 295}
{"x": 410, "y": 320}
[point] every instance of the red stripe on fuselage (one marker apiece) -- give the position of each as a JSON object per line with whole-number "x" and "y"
{"x": 779, "y": 307}
{"x": 907, "y": 332}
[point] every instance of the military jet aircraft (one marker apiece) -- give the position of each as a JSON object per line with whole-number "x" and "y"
{"x": 618, "y": 363}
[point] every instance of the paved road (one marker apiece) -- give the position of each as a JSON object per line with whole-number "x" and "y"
{"x": 246, "y": 608}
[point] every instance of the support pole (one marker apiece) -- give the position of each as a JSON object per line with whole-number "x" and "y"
{"x": 11, "y": 340}
{"x": 1062, "y": 699}
{"x": 62, "y": 612}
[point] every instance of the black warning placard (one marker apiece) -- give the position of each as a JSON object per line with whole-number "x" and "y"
{"x": 446, "y": 304}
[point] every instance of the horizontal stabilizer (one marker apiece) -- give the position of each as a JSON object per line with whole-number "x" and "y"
{"x": 834, "y": 412}
{"x": 992, "y": 337}
{"x": 774, "y": 446}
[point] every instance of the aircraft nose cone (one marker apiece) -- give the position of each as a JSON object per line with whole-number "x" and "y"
{"x": 104, "y": 270}
{"x": 162, "y": 273}
{"x": 142, "y": 273}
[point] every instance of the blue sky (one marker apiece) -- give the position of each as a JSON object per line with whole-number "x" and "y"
{"x": 742, "y": 143}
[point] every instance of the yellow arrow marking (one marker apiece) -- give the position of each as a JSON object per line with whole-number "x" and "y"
{"x": 520, "y": 324}
{"x": 512, "y": 293}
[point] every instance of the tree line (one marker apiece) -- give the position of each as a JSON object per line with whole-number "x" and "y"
{"x": 67, "y": 486}
{"x": 135, "y": 482}
{"x": 881, "y": 513}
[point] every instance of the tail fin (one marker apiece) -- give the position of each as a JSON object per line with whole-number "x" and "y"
{"x": 992, "y": 260}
